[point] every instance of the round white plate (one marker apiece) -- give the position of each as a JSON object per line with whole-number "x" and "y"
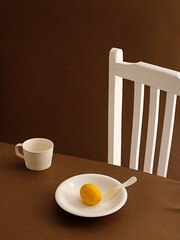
{"x": 67, "y": 195}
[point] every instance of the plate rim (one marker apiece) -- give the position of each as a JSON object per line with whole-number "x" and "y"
{"x": 113, "y": 210}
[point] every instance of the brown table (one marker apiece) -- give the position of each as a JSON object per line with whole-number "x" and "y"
{"x": 28, "y": 209}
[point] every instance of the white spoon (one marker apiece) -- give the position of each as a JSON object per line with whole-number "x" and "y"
{"x": 114, "y": 190}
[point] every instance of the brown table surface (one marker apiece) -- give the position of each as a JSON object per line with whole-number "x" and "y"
{"x": 28, "y": 209}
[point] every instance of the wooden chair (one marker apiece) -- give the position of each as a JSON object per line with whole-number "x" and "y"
{"x": 157, "y": 78}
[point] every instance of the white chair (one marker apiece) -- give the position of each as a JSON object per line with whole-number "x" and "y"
{"x": 157, "y": 78}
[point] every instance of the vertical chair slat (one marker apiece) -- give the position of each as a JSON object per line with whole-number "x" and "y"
{"x": 167, "y": 134}
{"x": 115, "y": 111}
{"x": 137, "y": 124}
{"x": 152, "y": 129}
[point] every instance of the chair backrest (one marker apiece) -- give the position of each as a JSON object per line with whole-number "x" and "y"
{"x": 157, "y": 78}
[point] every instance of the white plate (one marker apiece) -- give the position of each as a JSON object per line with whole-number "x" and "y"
{"x": 68, "y": 195}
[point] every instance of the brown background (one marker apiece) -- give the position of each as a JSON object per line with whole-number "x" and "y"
{"x": 54, "y": 69}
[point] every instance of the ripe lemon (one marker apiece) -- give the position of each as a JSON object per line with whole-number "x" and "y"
{"x": 90, "y": 194}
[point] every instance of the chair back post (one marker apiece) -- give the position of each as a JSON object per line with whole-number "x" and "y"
{"x": 114, "y": 109}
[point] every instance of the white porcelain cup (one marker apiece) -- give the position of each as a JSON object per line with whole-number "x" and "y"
{"x": 37, "y": 153}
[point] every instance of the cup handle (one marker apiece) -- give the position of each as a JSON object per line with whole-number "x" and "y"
{"x": 17, "y": 150}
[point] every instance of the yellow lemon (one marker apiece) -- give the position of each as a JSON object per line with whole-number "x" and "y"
{"x": 90, "y": 194}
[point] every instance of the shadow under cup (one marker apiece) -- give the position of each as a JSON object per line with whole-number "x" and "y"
{"x": 37, "y": 153}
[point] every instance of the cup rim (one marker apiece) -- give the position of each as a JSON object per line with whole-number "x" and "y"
{"x": 23, "y": 145}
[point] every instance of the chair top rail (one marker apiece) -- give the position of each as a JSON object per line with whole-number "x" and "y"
{"x": 148, "y": 74}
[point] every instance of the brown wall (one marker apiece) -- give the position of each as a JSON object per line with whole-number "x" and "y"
{"x": 54, "y": 69}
